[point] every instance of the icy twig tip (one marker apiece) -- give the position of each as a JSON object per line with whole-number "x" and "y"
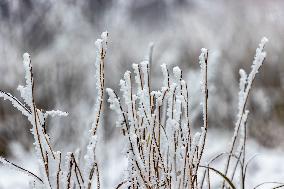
{"x": 104, "y": 35}
{"x": 264, "y": 40}
{"x": 177, "y": 72}
{"x": 203, "y": 56}
{"x": 242, "y": 72}
{"x": 203, "y": 50}
{"x": 26, "y": 57}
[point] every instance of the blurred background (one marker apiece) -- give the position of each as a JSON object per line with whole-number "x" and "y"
{"x": 60, "y": 37}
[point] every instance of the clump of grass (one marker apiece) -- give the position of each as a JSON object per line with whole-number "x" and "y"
{"x": 73, "y": 170}
{"x": 163, "y": 149}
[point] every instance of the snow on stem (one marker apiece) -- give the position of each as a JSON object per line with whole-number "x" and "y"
{"x": 245, "y": 88}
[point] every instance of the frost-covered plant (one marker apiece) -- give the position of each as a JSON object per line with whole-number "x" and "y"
{"x": 163, "y": 151}
{"x": 240, "y": 126}
{"x": 55, "y": 171}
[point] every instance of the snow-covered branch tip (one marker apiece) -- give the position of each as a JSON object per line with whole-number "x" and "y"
{"x": 101, "y": 47}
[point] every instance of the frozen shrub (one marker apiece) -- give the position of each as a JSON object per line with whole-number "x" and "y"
{"x": 163, "y": 150}
{"x": 56, "y": 171}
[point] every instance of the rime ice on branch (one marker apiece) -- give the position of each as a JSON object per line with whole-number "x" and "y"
{"x": 55, "y": 171}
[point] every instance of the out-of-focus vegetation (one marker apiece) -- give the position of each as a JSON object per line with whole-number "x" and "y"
{"x": 60, "y": 35}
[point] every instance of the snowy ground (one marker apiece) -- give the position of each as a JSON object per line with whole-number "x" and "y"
{"x": 267, "y": 166}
